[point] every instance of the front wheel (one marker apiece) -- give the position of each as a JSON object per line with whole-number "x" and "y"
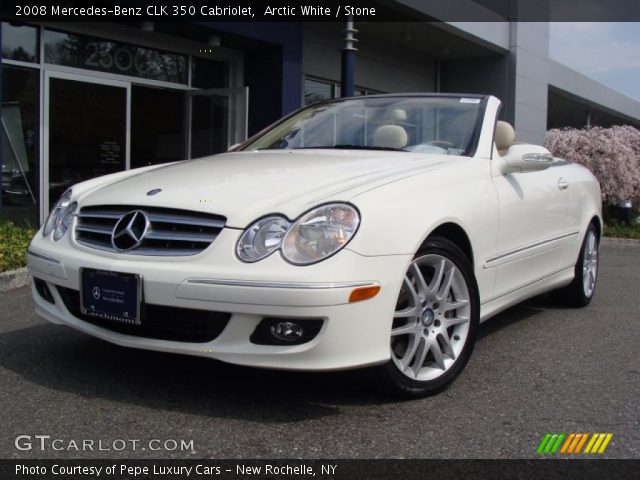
{"x": 435, "y": 321}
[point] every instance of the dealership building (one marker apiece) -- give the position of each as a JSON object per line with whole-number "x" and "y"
{"x": 85, "y": 99}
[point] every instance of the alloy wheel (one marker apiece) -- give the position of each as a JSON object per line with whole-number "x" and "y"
{"x": 432, "y": 318}
{"x": 590, "y": 264}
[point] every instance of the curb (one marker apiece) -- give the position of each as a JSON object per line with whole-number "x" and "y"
{"x": 621, "y": 241}
{"x": 14, "y": 279}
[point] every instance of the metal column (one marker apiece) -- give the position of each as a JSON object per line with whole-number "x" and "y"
{"x": 348, "y": 59}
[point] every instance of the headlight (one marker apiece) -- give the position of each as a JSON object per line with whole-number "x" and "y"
{"x": 316, "y": 235}
{"x": 65, "y": 222}
{"x": 262, "y": 238}
{"x": 57, "y": 212}
{"x": 320, "y": 233}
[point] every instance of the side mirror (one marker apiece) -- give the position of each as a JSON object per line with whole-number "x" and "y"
{"x": 526, "y": 158}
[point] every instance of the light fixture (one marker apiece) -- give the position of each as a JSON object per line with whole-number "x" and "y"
{"x": 287, "y": 331}
{"x": 363, "y": 293}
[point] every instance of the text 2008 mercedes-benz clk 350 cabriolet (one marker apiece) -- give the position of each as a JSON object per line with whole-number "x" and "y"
{"x": 370, "y": 231}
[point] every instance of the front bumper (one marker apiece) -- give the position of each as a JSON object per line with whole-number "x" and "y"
{"x": 352, "y": 334}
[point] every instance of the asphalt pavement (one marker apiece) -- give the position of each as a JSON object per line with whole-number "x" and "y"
{"x": 536, "y": 368}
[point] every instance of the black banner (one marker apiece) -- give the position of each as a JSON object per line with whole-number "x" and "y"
{"x": 324, "y": 10}
{"x": 318, "y": 469}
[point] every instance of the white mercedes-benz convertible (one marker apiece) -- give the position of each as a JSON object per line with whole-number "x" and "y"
{"x": 371, "y": 231}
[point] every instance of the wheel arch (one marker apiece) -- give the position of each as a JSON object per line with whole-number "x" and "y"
{"x": 597, "y": 222}
{"x": 456, "y": 234}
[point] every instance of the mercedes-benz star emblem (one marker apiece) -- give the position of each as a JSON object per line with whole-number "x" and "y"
{"x": 130, "y": 230}
{"x": 96, "y": 293}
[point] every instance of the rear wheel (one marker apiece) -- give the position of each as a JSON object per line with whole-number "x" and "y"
{"x": 580, "y": 291}
{"x": 435, "y": 321}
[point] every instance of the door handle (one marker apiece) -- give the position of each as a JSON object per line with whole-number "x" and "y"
{"x": 562, "y": 184}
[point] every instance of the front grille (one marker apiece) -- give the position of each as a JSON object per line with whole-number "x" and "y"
{"x": 172, "y": 232}
{"x": 158, "y": 321}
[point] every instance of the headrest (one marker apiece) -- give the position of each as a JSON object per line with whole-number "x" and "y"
{"x": 396, "y": 115}
{"x": 505, "y": 135}
{"x": 390, "y": 136}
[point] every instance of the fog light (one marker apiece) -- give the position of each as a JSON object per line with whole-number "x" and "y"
{"x": 287, "y": 331}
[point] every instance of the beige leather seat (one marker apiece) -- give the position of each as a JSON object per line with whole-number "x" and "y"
{"x": 392, "y": 135}
{"x": 505, "y": 136}
{"x": 397, "y": 115}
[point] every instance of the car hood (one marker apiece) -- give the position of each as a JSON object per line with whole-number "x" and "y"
{"x": 243, "y": 186}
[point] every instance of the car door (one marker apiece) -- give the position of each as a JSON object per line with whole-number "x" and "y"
{"x": 534, "y": 228}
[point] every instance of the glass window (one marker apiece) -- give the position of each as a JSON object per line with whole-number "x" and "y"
{"x": 207, "y": 73}
{"x": 366, "y": 91}
{"x": 157, "y": 125}
{"x": 208, "y": 125}
{"x": 315, "y": 90}
{"x": 430, "y": 125}
{"x": 19, "y": 42}
{"x": 20, "y": 107}
{"x": 108, "y": 56}
{"x": 87, "y": 132}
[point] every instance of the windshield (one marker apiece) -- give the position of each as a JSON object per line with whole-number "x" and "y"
{"x": 410, "y": 124}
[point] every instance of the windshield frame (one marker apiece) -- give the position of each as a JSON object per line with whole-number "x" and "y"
{"x": 474, "y": 138}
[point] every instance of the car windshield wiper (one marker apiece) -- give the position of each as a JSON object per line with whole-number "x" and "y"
{"x": 347, "y": 146}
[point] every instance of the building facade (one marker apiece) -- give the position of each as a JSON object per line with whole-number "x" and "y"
{"x": 86, "y": 99}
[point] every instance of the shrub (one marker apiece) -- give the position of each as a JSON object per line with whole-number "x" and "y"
{"x": 13, "y": 245}
{"x": 615, "y": 229}
{"x": 612, "y": 154}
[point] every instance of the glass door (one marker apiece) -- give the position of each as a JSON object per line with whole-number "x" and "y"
{"x": 217, "y": 119}
{"x": 86, "y": 131}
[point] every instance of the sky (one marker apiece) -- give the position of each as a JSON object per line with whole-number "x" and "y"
{"x": 607, "y": 52}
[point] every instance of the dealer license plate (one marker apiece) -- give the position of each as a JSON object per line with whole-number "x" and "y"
{"x": 110, "y": 295}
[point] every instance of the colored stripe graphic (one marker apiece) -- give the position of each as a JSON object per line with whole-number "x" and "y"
{"x": 581, "y": 442}
{"x": 573, "y": 443}
{"x": 567, "y": 443}
{"x": 605, "y": 443}
{"x": 576, "y": 439}
{"x": 550, "y": 443}
{"x": 598, "y": 442}
{"x": 543, "y": 443}
{"x": 590, "y": 444}
{"x": 556, "y": 446}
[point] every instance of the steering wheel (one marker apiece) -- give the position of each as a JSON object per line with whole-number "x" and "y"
{"x": 440, "y": 143}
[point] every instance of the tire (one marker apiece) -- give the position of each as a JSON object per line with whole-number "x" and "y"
{"x": 581, "y": 290}
{"x": 435, "y": 322}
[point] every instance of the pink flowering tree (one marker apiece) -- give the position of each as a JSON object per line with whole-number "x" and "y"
{"x": 612, "y": 154}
